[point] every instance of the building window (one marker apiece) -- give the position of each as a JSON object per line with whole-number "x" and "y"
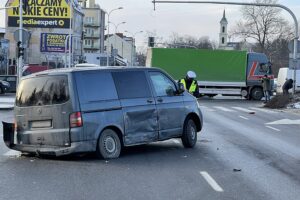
{"x": 223, "y": 40}
{"x": 223, "y": 29}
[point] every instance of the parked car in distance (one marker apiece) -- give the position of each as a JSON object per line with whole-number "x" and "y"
{"x": 100, "y": 110}
{"x": 12, "y": 80}
{"x": 4, "y": 87}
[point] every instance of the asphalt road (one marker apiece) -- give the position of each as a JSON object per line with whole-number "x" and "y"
{"x": 243, "y": 152}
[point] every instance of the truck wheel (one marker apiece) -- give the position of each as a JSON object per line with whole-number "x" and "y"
{"x": 257, "y": 93}
{"x": 109, "y": 145}
{"x": 189, "y": 136}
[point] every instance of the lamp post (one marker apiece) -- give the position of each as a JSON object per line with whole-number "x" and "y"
{"x": 116, "y": 31}
{"x": 133, "y": 44}
{"x": 20, "y": 57}
{"x": 108, "y": 43}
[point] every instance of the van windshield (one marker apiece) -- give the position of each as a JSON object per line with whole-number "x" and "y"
{"x": 46, "y": 90}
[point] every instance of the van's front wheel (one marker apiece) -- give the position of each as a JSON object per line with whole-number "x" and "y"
{"x": 109, "y": 145}
{"x": 189, "y": 136}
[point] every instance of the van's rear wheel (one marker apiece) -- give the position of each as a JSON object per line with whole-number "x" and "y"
{"x": 189, "y": 136}
{"x": 109, "y": 145}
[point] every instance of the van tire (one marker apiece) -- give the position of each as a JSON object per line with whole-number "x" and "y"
{"x": 189, "y": 136}
{"x": 109, "y": 145}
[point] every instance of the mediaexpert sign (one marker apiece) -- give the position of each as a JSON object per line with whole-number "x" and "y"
{"x": 53, "y": 42}
{"x": 41, "y": 14}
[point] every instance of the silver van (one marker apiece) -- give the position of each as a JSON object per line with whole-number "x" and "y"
{"x": 59, "y": 112}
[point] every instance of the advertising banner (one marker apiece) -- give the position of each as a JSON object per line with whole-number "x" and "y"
{"x": 53, "y": 42}
{"x": 41, "y": 14}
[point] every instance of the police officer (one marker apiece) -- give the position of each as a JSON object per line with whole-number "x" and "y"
{"x": 190, "y": 83}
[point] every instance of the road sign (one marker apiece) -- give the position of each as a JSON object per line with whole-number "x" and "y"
{"x": 25, "y": 36}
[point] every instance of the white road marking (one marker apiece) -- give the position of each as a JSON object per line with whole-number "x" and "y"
{"x": 286, "y": 122}
{"x": 12, "y": 153}
{"x": 263, "y": 110}
{"x": 207, "y": 108}
{"x": 243, "y": 109}
{"x": 244, "y": 117}
{"x": 273, "y": 128}
{"x": 175, "y": 141}
{"x": 211, "y": 181}
{"x": 223, "y": 109}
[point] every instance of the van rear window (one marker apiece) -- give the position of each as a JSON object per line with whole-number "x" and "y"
{"x": 46, "y": 90}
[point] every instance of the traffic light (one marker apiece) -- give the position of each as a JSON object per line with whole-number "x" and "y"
{"x": 151, "y": 42}
{"x": 20, "y": 49}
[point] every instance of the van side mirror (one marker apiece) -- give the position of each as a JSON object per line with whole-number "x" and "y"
{"x": 180, "y": 88}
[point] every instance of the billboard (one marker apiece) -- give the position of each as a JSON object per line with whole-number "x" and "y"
{"x": 53, "y": 42}
{"x": 41, "y": 14}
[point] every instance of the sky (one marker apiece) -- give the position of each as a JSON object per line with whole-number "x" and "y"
{"x": 185, "y": 19}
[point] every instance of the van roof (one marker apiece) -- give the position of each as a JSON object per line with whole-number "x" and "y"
{"x": 70, "y": 70}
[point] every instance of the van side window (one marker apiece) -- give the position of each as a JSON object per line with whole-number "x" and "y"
{"x": 95, "y": 86}
{"x": 132, "y": 84}
{"x": 163, "y": 86}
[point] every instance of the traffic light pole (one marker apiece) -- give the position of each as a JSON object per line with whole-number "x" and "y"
{"x": 20, "y": 50}
{"x": 253, "y": 4}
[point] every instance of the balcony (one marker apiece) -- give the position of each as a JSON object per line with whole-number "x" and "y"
{"x": 91, "y": 24}
{"x": 92, "y": 46}
{"x": 92, "y": 35}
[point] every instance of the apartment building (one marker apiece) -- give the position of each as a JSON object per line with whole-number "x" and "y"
{"x": 94, "y": 27}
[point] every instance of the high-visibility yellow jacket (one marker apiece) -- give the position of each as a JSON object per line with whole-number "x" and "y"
{"x": 193, "y": 86}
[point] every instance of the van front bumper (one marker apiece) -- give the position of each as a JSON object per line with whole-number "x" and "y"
{"x": 75, "y": 147}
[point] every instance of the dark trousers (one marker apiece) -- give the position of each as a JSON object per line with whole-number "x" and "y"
{"x": 285, "y": 92}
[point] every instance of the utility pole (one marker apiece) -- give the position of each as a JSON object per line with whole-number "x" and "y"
{"x": 252, "y": 4}
{"x": 70, "y": 33}
{"x": 20, "y": 57}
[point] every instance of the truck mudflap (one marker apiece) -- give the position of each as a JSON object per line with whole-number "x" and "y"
{"x": 8, "y": 134}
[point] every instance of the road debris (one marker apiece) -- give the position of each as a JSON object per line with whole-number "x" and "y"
{"x": 237, "y": 170}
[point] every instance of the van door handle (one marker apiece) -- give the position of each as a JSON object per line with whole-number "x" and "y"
{"x": 160, "y": 100}
{"x": 149, "y": 101}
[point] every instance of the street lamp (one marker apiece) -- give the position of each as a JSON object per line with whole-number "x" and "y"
{"x": 116, "y": 31}
{"x": 108, "y": 43}
{"x": 133, "y": 44}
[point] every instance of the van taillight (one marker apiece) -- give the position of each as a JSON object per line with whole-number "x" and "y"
{"x": 75, "y": 120}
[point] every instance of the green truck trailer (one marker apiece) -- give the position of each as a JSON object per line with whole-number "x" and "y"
{"x": 218, "y": 71}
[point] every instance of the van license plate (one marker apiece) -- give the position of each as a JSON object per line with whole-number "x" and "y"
{"x": 41, "y": 124}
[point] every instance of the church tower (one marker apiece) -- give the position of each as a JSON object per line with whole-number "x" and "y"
{"x": 223, "y": 36}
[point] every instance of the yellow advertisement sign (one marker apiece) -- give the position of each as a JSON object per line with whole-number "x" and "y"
{"x": 41, "y": 14}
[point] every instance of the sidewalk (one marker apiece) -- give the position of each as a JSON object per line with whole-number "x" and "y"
{"x": 7, "y": 101}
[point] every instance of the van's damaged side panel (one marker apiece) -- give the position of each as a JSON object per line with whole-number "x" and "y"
{"x": 140, "y": 121}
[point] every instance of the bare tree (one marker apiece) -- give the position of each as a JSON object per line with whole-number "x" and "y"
{"x": 178, "y": 41}
{"x": 263, "y": 24}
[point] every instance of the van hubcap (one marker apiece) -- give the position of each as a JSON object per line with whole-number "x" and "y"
{"x": 193, "y": 133}
{"x": 110, "y": 144}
